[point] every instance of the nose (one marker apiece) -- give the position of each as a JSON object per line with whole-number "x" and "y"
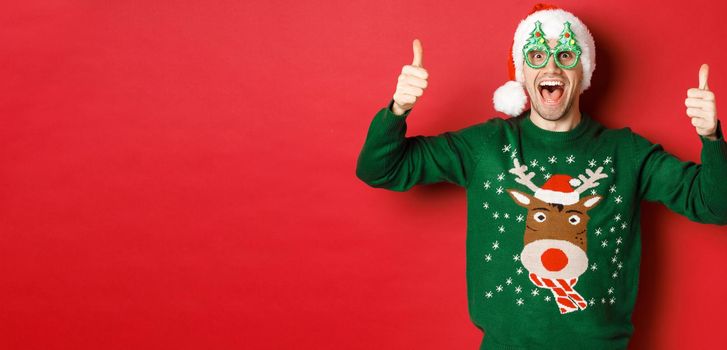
{"x": 554, "y": 259}
{"x": 551, "y": 67}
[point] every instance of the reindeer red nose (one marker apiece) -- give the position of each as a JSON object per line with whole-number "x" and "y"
{"x": 554, "y": 259}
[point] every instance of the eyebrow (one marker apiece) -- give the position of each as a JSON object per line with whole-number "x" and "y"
{"x": 573, "y": 210}
{"x": 541, "y": 208}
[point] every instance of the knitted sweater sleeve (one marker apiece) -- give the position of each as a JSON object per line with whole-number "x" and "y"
{"x": 395, "y": 162}
{"x": 697, "y": 191}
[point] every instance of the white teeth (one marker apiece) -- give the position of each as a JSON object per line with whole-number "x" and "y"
{"x": 551, "y": 83}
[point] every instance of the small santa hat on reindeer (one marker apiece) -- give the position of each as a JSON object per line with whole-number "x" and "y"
{"x": 558, "y": 190}
{"x": 511, "y": 97}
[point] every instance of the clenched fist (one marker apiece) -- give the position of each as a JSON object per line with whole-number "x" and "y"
{"x": 412, "y": 82}
{"x": 701, "y": 106}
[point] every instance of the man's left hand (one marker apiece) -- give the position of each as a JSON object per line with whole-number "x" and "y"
{"x": 701, "y": 106}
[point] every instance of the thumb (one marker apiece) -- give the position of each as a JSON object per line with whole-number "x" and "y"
{"x": 703, "y": 73}
{"x": 417, "y": 53}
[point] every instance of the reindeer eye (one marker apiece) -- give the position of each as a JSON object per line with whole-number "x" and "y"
{"x": 539, "y": 216}
{"x": 574, "y": 219}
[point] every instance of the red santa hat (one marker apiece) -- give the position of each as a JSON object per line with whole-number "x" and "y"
{"x": 511, "y": 98}
{"x": 558, "y": 190}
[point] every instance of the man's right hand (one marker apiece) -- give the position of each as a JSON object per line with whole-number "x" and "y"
{"x": 412, "y": 82}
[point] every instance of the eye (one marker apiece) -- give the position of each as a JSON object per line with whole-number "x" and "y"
{"x": 539, "y": 216}
{"x": 574, "y": 219}
{"x": 537, "y": 55}
{"x": 565, "y": 55}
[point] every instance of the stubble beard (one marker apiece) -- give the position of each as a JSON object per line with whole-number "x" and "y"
{"x": 549, "y": 113}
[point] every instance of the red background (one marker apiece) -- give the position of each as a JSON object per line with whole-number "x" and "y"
{"x": 182, "y": 174}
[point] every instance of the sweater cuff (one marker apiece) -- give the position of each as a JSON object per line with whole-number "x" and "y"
{"x": 390, "y": 111}
{"x": 715, "y": 151}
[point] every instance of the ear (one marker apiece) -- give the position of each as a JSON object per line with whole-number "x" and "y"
{"x": 521, "y": 199}
{"x": 590, "y": 202}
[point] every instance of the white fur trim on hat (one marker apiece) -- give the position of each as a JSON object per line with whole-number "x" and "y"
{"x": 552, "y": 24}
{"x": 510, "y": 98}
{"x": 565, "y": 198}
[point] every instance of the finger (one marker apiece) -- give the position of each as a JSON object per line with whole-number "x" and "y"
{"x": 404, "y": 98}
{"x": 417, "y": 53}
{"x": 411, "y": 90}
{"x": 699, "y": 103}
{"x": 415, "y": 71}
{"x": 703, "y": 73}
{"x": 414, "y": 81}
{"x": 697, "y": 113}
{"x": 703, "y": 94}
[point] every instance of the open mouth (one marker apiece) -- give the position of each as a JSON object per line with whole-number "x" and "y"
{"x": 551, "y": 91}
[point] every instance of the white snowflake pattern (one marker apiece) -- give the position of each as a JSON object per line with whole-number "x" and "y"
{"x": 520, "y": 301}
{"x": 518, "y": 289}
{"x": 496, "y": 215}
{"x": 506, "y": 148}
{"x": 610, "y": 290}
{"x": 607, "y": 161}
{"x": 547, "y": 298}
{"x": 594, "y": 267}
{"x": 570, "y": 159}
{"x": 620, "y": 265}
{"x": 618, "y": 241}
{"x": 499, "y": 190}
{"x": 513, "y": 154}
{"x": 552, "y": 159}
{"x": 487, "y": 185}
{"x": 499, "y": 288}
{"x": 516, "y": 257}
{"x": 617, "y": 217}
{"x": 593, "y": 192}
{"x": 501, "y": 229}
{"x": 598, "y": 231}
{"x": 534, "y": 163}
{"x": 486, "y": 205}
{"x": 592, "y": 163}
{"x": 488, "y": 257}
{"x": 614, "y": 274}
{"x": 547, "y": 176}
{"x": 495, "y": 245}
{"x": 488, "y": 295}
{"x": 617, "y": 250}
{"x": 501, "y": 177}
{"x": 618, "y": 199}
{"x": 542, "y": 168}
{"x": 535, "y": 292}
{"x": 612, "y": 300}
{"x": 613, "y": 170}
{"x": 612, "y": 229}
{"x": 603, "y": 300}
{"x": 623, "y": 225}
{"x": 508, "y": 281}
{"x": 506, "y": 216}
{"x": 520, "y": 218}
{"x": 519, "y": 271}
{"x": 614, "y": 259}
{"x": 604, "y": 243}
{"x": 612, "y": 189}
{"x": 592, "y": 302}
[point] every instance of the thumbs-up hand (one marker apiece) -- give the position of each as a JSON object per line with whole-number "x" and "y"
{"x": 701, "y": 106}
{"x": 412, "y": 82}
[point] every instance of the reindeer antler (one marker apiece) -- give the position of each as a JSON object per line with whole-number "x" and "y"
{"x": 590, "y": 181}
{"x": 522, "y": 177}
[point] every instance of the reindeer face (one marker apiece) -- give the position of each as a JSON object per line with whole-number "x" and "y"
{"x": 555, "y": 221}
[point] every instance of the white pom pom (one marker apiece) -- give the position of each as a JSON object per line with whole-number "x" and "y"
{"x": 574, "y": 182}
{"x": 510, "y": 98}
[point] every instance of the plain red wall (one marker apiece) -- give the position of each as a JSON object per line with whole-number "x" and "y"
{"x": 182, "y": 174}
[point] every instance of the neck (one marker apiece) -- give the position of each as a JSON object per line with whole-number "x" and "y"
{"x": 565, "y": 123}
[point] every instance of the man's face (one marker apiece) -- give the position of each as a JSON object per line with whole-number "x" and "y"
{"x": 553, "y": 102}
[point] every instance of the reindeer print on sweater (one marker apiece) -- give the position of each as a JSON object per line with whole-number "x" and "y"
{"x": 554, "y": 216}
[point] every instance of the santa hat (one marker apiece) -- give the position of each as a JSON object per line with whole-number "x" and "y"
{"x": 510, "y": 98}
{"x": 558, "y": 190}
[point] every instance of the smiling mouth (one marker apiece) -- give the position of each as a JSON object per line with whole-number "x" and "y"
{"x": 551, "y": 95}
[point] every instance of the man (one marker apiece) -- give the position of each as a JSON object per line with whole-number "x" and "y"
{"x": 553, "y": 234}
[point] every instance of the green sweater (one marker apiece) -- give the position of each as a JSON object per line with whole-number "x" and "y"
{"x": 553, "y": 242}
